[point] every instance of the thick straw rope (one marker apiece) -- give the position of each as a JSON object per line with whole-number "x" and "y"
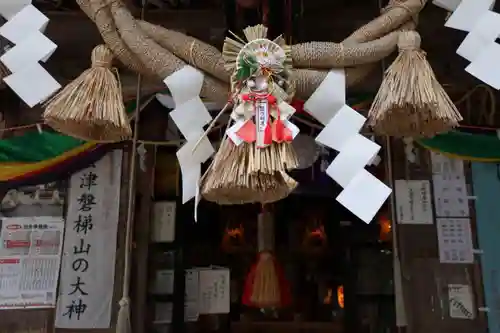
{"x": 142, "y": 48}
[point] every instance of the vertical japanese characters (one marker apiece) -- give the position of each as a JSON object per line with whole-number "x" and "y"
{"x": 82, "y": 226}
{"x": 87, "y": 271}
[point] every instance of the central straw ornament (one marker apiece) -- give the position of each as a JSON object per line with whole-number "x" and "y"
{"x": 252, "y": 163}
{"x": 91, "y": 107}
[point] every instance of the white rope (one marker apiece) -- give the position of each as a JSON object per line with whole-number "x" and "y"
{"x": 123, "y": 323}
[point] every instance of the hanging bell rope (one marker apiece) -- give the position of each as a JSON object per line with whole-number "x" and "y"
{"x": 410, "y": 101}
{"x": 91, "y": 107}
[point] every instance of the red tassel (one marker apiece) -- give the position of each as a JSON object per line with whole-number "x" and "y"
{"x": 285, "y": 292}
{"x": 248, "y": 290}
{"x": 268, "y": 134}
{"x": 280, "y": 132}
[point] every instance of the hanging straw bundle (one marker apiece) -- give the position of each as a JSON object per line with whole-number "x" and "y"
{"x": 246, "y": 173}
{"x": 266, "y": 286}
{"x": 410, "y": 101}
{"x": 91, "y": 107}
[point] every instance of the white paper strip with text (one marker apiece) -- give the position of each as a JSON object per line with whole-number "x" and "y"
{"x": 88, "y": 264}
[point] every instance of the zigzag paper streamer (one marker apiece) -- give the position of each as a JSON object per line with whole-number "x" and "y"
{"x": 363, "y": 193}
{"x": 30, "y": 81}
{"x": 449, "y": 5}
{"x": 479, "y": 47}
{"x": 9, "y": 8}
{"x": 190, "y": 115}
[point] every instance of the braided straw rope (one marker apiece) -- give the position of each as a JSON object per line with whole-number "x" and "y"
{"x": 99, "y": 12}
{"x": 154, "y": 50}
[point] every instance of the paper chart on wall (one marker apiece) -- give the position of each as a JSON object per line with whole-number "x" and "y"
{"x": 450, "y": 187}
{"x": 450, "y": 197}
{"x": 455, "y": 241}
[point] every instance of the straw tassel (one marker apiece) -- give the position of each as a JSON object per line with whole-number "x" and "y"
{"x": 245, "y": 174}
{"x": 266, "y": 286}
{"x": 410, "y": 101}
{"x": 91, "y": 107}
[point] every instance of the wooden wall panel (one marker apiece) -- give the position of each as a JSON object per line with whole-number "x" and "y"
{"x": 425, "y": 279}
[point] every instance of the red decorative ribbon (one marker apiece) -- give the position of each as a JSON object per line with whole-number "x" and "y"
{"x": 276, "y": 131}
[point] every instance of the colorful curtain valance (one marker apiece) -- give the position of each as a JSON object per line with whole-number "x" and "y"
{"x": 479, "y": 147}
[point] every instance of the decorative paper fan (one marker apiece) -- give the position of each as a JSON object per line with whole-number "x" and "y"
{"x": 306, "y": 149}
{"x": 246, "y": 58}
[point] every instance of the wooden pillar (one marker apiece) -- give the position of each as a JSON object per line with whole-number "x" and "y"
{"x": 153, "y": 127}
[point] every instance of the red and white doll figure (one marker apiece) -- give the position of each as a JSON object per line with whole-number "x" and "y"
{"x": 261, "y": 115}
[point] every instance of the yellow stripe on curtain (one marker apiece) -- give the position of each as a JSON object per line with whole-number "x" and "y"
{"x": 460, "y": 157}
{"x": 13, "y": 170}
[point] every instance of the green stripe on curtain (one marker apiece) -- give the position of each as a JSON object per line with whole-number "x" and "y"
{"x": 466, "y": 146}
{"x": 36, "y": 147}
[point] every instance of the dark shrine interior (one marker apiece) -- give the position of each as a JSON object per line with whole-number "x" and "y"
{"x": 339, "y": 268}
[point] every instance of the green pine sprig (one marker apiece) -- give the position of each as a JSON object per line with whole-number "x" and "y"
{"x": 247, "y": 66}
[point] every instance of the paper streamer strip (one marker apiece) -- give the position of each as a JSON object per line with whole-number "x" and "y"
{"x": 363, "y": 193}
{"x": 190, "y": 115}
{"x": 449, "y": 5}
{"x": 479, "y": 47}
{"x": 29, "y": 80}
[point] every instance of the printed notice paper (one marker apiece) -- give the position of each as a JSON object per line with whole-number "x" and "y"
{"x": 460, "y": 301}
{"x": 413, "y": 202}
{"x": 30, "y": 249}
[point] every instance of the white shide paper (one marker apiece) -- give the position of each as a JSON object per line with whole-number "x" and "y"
{"x": 30, "y": 81}
{"x": 190, "y": 115}
{"x": 363, "y": 193}
{"x": 468, "y": 13}
{"x": 88, "y": 265}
